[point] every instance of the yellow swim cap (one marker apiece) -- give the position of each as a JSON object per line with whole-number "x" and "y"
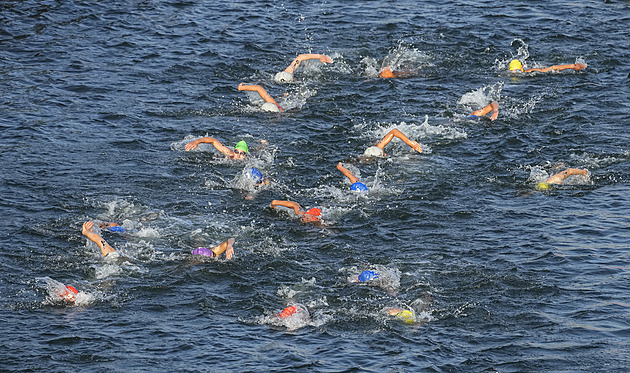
{"x": 406, "y": 317}
{"x": 543, "y": 186}
{"x": 515, "y": 65}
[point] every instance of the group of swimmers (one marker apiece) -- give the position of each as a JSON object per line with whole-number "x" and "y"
{"x": 241, "y": 151}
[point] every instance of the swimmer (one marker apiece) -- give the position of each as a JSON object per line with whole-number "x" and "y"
{"x": 106, "y": 250}
{"x": 225, "y": 247}
{"x": 406, "y": 316}
{"x": 366, "y": 276}
{"x": 270, "y": 104}
{"x": 559, "y": 177}
{"x": 287, "y": 75}
{"x": 377, "y": 150}
{"x": 517, "y": 66}
{"x": 388, "y": 73}
{"x": 240, "y": 149}
{"x": 491, "y": 107}
{"x": 356, "y": 185}
{"x": 257, "y": 176}
{"x": 312, "y": 215}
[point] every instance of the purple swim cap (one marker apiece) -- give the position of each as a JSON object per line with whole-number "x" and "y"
{"x": 203, "y": 251}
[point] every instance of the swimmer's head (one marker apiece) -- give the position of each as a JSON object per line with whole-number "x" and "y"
{"x": 358, "y": 187}
{"x": 288, "y": 311}
{"x": 270, "y": 107}
{"x": 542, "y": 186}
{"x": 406, "y": 316}
{"x": 515, "y": 65}
{"x": 116, "y": 229}
{"x": 283, "y": 77}
{"x": 314, "y": 212}
{"x": 367, "y": 276}
{"x": 386, "y": 73}
{"x": 203, "y": 252}
{"x": 255, "y": 175}
{"x": 373, "y": 151}
{"x": 69, "y": 293}
{"x": 240, "y": 150}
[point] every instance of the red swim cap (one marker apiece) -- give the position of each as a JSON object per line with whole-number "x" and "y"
{"x": 287, "y": 312}
{"x": 69, "y": 293}
{"x": 314, "y": 211}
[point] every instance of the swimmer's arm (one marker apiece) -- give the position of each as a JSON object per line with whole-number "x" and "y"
{"x": 493, "y": 106}
{"x": 347, "y": 173}
{"x": 559, "y": 177}
{"x": 261, "y": 91}
{"x": 395, "y": 132}
{"x": 574, "y": 66}
{"x": 289, "y": 204}
{"x": 96, "y": 238}
{"x": 210, "y": 140}
{"x": 307, "y": 56}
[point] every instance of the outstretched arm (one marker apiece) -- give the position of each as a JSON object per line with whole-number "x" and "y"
{"x": 347, "y": 173}
{"x": 395, "y": 132}
{"x": 289, "y": 204}
{"x": 559, "y": 177}
{"x": 493, "y": 106}
{"x": 210, "y": 140}
{"x": 88, "y": 232}
{"x": 227, "y": 247}
{"x": 574, "y": 66}
{"x": 303, "y": 57}
{"x": 261, "y": 91}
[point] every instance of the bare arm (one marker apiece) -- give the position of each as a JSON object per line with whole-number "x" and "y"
{"x": 289, "y": 204}
{"x": 559, "y": 177}
{"x": 395, "y": 132}
{"x": 260, "y": 90}
{"x": 88, "y": 232}
{"x": 303, "y": 57}
{"x": 493, "y": 106}
{"x": 225, "y": 246}
{"x": 574, "y": 66}
{"x": 347, "y": 173}
{"x": 210, "y": 140}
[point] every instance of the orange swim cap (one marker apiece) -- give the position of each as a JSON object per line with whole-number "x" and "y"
{"x": 314, "y": 212}
{"x": 69, "y": 293}
{"x": 287, "y": 312}
{"x": 386, "y": 73}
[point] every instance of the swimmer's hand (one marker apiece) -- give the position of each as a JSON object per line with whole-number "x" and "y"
{"x": 415, "y": 146}
{"x": 191, "y": 145}
{"x": 87, "y": 227}
{"x": 580, "y": 66}
{"x": 325, "y": 59}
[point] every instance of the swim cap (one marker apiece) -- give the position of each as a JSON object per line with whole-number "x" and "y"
{"x": 472, "y": 116}
{"x": 314, "y": 212}
{"x": 69, "y": 293}
{"x": 270, "y": 107}
{"x": 358, "y": 187}
{"x": 387, "y": 73}
{"x": 367, "y": 276}
{"x": 255, "y": 175}
{"x": 241, "y": 145}
{"x": 515, "y": 65}
{"x": 373, "y": 151}
{"x": 543, "y": 186}
{"x": 406, "y": 316}
{"x": 283, "y": 77}
{"x": 116, "y": 229}
{"x": 203, "y": 251}
{"x": 288, "y": 311}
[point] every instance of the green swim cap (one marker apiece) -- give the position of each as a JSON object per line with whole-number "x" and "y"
{"x": 241, "y": 145}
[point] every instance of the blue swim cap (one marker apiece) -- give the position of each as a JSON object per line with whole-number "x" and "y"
{"x": 367, "y": 276}
{"x": 472, "y": 116}
{"x": 116, "y": 229}
{"x": 358, "y": 187}
{"x": 256, "y": 175}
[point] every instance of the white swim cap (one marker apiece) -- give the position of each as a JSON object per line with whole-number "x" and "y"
{"x": 283, "y": 77}
{"x": 373, "y": 151}
{"x": 270, "y": 107}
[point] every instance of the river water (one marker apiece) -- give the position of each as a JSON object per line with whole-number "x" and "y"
{"x": 98, "y": 100}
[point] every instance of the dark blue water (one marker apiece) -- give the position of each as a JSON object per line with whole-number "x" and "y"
{"x": 98, "y": 100}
